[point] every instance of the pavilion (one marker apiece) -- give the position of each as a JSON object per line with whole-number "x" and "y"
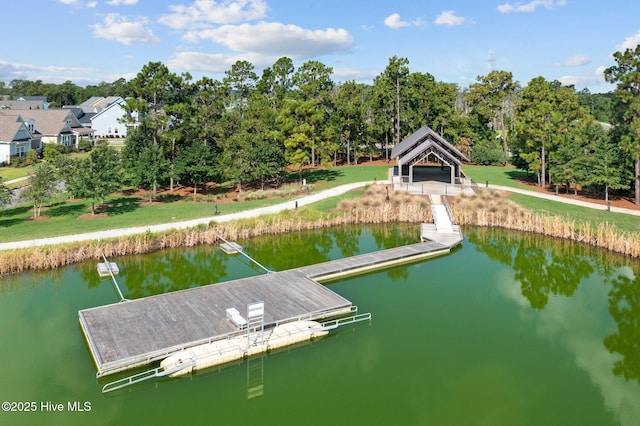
{"x": 422, "y": 146}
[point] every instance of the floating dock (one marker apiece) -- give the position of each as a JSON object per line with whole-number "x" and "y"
{"x": 106, "y": 269}
{"x": 123, "y": 336}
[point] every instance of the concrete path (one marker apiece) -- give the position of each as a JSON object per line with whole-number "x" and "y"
{"x": 303, "y": 201}
{"x": 565, "y": 200}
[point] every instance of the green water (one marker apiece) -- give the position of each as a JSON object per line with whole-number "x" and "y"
{"x": 508, "y": 330}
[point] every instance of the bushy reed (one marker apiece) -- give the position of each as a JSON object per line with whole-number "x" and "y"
{"x": 491, "y": 208}
{"x": 379, "y": 204}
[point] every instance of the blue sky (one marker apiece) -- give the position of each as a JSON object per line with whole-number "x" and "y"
{"x": 89, "y": 41}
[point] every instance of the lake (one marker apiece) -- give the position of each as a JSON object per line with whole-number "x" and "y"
{"x": 509, "y": 329}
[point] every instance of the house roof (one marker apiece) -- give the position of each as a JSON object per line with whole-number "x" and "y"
{"x": 47, "y": 121}
{"x": 22, "y": 105}
{"x": 423, "y": 140}
{"x": 11, "y": 129}
{"x": 98, "y": 103}
{"x": 30, "y": 98}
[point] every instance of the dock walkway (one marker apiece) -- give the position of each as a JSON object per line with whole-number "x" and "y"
{"x": 134, "y": 333}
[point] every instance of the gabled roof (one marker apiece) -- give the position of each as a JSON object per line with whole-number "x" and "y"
{"x": 98, "y": 103}
{"x": 12, "y": 129}
{"x": 30, "y": 98}
{"x": 104, "y": 110}
{"x": 47, "y": 121}
{"x": 421, "y": 141}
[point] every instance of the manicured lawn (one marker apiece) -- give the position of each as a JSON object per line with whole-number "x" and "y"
{"x": 623, "y": 222}
{"x": 125, "y": 211}
{"x": 10, "y": 173}
{"x": 335, "y": 176}
{"x": 496, "y": 175}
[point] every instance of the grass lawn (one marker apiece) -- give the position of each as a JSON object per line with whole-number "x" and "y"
{"x": 496, "y": 175}
{"x": 127, "y": 211}
{"x": 10, "y": 173}
{"x": 623, "y": 222}
{"x": 326, "y": 178}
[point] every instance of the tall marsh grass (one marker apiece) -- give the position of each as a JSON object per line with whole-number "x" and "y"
{"x": 378, "y": 204}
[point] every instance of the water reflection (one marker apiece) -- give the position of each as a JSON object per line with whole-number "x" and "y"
{"x": 544, "y": 268}
{"x": 624, "y": 306}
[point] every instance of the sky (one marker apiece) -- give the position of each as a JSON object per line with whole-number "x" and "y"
{"x": 93, "y": 41}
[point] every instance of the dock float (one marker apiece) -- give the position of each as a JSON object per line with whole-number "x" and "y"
{"x": 122, "y": 336}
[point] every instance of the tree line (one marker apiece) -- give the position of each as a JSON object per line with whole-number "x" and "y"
{"x": 247, "y": 127}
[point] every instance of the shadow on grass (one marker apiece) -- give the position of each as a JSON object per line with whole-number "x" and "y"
{"x": 15, "y": 211}
{"x": 7, "y": 223}
{"x": 520, "y": 175}
{"x": 316, "y": 175}
{"x": 67, "y": 209}
{"x": 122, "y": 205}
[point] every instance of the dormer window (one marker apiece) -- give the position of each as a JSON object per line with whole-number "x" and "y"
{"x": 31, "y": 125}
{"x": 69, "y": 122}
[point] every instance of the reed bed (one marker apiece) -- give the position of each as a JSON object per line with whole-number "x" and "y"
{"x": 378, "y": 205}
{"x": 490, "y": 208}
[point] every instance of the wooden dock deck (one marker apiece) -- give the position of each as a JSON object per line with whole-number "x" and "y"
{"x": 134, "y": 333}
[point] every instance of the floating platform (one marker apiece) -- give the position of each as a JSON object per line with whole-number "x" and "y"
{"x": 105, "y": 269}
{"x": 231, "y": 247}
{"x": 138, "y": 332}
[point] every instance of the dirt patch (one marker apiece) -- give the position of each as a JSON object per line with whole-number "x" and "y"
{"x": 41, "y": 217}
{"x": 90, "y": 216}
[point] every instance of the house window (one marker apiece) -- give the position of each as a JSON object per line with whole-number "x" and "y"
{"x": 20, "y": 150}
{"x": 115, "y": 130}
{"x": 31, "y": 125}
{"x": 69, "y": 122}
{"x": 109, "y": 130}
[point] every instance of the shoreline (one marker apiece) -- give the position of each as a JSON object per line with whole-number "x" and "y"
{"x": 58, "y": 252}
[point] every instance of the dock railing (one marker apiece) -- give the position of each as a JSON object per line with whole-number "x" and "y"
{"x": 139, "y": 360}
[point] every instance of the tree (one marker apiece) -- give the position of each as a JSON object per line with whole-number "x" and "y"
{"x": 42, "y": 186}
{"x": 241, "y": 81}
{"x": 626, "y": 75}
{"x": 349, "y": 116}
{"x": 314, "y": 86}
{"x": 153, "y": 88}
{"x": 546, "y": 113}
{"x": 492, "y": 99}
{"x": 105, "y": 173}
{"x": 605, "y": 167}
{"x": 391, "y": 82}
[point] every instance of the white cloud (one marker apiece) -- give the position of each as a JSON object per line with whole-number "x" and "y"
{"x": 629, "y": 43}
{"x": 120, "y": 29}
{"x": 92, "y": 4}
{"x": 575, "y": 61}
{"x": 215, "y": 62}
{"x": 448, "y": 17}
{"x": 393, "y": 21}
{"x": 68, "y": 1}
{"x": 122, "y": 2}
{"x": 272, "y": 38}
{"x": 585, "y": 80}
{"x": 205, "y": 12}
{"x": 531, "y": 6}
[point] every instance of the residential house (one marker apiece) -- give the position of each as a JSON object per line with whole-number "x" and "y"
{"x": 103, "y": 115}
{"x": 24, "y": 102}
{"x": 59, "y": 126}
{"x": 15, "y": 138}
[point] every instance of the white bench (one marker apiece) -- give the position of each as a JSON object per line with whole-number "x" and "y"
{"x": 234, "y": 316}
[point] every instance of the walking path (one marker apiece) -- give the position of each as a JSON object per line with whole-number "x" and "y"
{"x": 303, "y": 201}
{"x": 566, "y": 200}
